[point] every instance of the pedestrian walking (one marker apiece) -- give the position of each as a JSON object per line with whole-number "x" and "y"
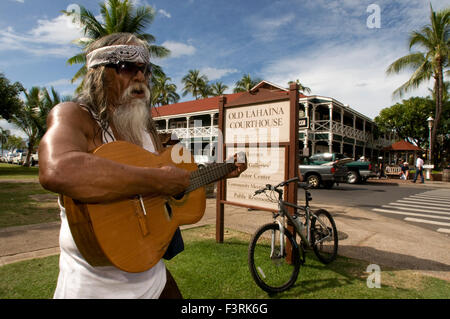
{"x": 419, "y": 170}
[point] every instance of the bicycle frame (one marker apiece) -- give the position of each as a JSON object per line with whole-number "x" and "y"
{"x": 282, "y": 211}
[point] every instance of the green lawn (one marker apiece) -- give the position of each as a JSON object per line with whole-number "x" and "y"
{"x": 11, "y": 171}
{"x": 205, "y": 269}
{"x": 219, "y": 271}
{"x": 23, "y": 201}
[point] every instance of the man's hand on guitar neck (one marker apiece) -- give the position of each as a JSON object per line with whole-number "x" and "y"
{"x": 240, "y": 166}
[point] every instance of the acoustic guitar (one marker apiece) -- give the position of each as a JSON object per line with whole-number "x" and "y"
{"x": 133, "y": 234}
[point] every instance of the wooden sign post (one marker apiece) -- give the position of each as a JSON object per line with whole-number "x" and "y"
{"x": 264, "y": 124}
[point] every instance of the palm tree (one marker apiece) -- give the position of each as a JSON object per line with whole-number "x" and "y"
{"x": 118, "y": 16}
{"x": 31, "y": 118}
{"x": 218, "y": 89}
{"x": 206, "y": 91}
{"x": 434, "y": 39}
{"x": 245, "y": 84}
{"x": 301, "y": 88}
{"x": 194, "y": 83}
{"x": 163, "y": 92}
{"x": 4, "y": 135}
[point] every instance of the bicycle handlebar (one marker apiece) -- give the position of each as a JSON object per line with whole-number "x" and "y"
{"x": 276, "y": 188}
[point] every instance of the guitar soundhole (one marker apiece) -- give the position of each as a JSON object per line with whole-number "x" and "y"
{"x": 168, "y": 210}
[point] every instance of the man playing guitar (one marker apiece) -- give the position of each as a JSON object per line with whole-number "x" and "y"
{"x": 114, "y": 105}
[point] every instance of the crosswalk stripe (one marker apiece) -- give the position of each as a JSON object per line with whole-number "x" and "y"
{"x": 415, "y": 209}
{"x": 420, "y": 202}
{"x": 415, "y": 206}
{"x": 410, "y": 214}
{"x": 438, "y": 198}
{"x": 434, "y": 194}
{"x": 425, "y": 221}
{"x": 444, "y": 230}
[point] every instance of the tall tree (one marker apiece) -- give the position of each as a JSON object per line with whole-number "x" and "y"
{"x": 245, "y": 84}
{"x": 9, "y": 97}
{"x": 117, "y": 16}
{"x": 406, "y": 119}
{"x": 301, "y": 87}
{"x": 4, "y": 135}
{"x": 31, "y": 118}
{"x": 194, "y": 82}
{"x": 218, "y": 88}
{"x": 163, "y": 92}
{"x": 434, "y": 39}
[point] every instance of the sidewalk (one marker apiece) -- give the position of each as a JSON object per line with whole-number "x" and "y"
{"x": 363, "y": 235}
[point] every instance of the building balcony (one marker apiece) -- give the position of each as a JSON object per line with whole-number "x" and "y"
{"x": 193, "y": 132}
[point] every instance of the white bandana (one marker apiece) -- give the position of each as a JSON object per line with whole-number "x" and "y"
{"x": 117, "y": 53}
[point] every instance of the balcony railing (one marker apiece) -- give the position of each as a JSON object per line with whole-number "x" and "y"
{"x": 344, "y": 130}
{"x": 204, "y": 131}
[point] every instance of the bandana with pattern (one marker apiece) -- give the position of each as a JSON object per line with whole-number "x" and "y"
{"x": 117, "y": 53}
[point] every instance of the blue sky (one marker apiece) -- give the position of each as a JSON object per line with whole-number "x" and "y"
{"x": 327, "y": 44}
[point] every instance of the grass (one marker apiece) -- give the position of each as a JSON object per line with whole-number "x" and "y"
{"x": 205, "y": 269}
{"x": 219, "y": 271}
{"x": 22, "y": 202}
{"x": 11, "y": 171}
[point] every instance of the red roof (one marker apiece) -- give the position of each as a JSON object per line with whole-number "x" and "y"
{"x": 207, "y": 104}
{"x": 402, "y": 146}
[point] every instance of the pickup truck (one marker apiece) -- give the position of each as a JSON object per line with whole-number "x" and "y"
{"x": 358, "y": 171}
{"x": 323, "y": 174}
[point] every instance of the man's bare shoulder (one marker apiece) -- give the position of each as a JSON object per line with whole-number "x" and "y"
{"x": 69, "y": 111}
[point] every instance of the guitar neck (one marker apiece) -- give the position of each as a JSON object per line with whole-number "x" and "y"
{"x": 209, "y": 174}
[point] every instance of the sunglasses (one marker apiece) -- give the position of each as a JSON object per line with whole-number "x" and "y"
{"x": 130, "y": 69}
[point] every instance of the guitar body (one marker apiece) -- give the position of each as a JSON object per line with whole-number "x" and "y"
{"x": 124, "y": 233}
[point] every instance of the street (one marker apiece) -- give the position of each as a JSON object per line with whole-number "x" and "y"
{"x": 423, "y": 206}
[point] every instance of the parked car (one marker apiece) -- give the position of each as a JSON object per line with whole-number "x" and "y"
{"x": 203, "y": 160}
{"x": 18, "y": 159}
{"x": 325, "y": 175}
{"x": 358, "y": 171}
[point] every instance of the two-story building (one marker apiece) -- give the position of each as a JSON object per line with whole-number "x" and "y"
{"x": 325, "y": 125}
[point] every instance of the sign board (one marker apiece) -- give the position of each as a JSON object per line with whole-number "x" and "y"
{"x": 261, "y": 123}
{"x": 428, "y": 166}
{"x": 264, "y": 124}
{"x": 265, "y": 166}
{"x": 303, "y": 122}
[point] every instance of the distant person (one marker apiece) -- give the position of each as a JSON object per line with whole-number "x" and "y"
{"x": 381, "y": 170}
{"x": 405, "y": 171}
{"x": 419, "y": 170}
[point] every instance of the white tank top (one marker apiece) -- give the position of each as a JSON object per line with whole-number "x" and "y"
{"x": 77, "y": 279}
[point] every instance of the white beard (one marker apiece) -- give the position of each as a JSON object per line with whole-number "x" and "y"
{"x": 131, "y": 117}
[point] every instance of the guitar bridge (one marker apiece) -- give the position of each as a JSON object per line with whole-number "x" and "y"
{"x": 141, "y": 214}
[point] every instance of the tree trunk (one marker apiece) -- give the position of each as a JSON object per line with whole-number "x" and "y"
{"x": 30, "y": 150}
{"x": 437, "y": 116}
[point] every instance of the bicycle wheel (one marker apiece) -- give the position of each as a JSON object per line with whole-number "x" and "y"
{"x": 267, "y": 262}
{"x": 324, "y": 239}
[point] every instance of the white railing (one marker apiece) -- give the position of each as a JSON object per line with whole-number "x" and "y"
{"x": 204, "y": 131}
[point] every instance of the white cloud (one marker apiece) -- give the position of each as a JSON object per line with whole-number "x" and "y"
{"x": 165, "y": 13}
{"x": 352, "y": 73}
{"x": 14, "y": 130}
{"x": 60, "y": 82}
{"x": 179, "y": 49}
{"x": 49, "y": 37}
{"x": 215, "y": 74}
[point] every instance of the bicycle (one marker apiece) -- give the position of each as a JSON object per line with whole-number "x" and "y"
{"x": 267, "y": 253}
